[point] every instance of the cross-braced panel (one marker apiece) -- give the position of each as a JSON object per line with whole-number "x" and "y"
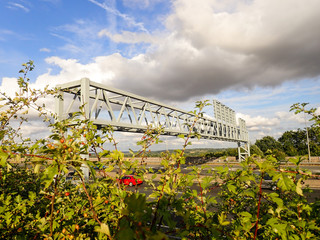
{"x": 132, "y": 113}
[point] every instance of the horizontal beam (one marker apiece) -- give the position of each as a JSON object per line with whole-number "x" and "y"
{"x": 124, "y": 111}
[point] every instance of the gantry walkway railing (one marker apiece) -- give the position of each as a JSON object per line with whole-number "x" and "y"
{"x": 127, "y": 112}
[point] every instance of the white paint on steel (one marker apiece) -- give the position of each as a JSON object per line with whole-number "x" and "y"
{"x": 128, "y": 112}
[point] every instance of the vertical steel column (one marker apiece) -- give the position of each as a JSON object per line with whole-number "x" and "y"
{"x": 85, "y": 101}
{"x": 85, "y": 94}
{"x": 243, "y": 151}
{"x": 59, "y": 106}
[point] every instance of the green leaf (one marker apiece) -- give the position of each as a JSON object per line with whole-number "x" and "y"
{"x": 3, "y": 158}
{"x": 109, "y": 168}
{"x": 99, "y": 140}
{"x": 299, "y": 187}
{"x": 222, "y": 169}
{"x": 136, "y": 203}
{"x": 2, "y": 132}
{"x": 284, "y": 182}
{"x": 126, "y": 233}
{"x": 116, "y": 155}
{"x": 232, "y": 188}
{"x": 276, "y": 199}
{"x": 104, "y": 228}
{"x": 297, "y": 160}
{"x": 65, "y": 169}
{"x": 49, "y": 174}
{"x": 221, "y": 219}
{"x": 37, "y": 168}
{"x": 181, "y": 136}
{"x": 104, "y": 153}
{"x": 245, "y": 216}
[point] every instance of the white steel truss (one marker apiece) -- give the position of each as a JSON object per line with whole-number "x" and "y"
{"x": 107, "y": 106}
{"x": 243, "y": 151}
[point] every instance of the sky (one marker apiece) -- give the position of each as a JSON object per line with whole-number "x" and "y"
{"x": 257, "y": 57}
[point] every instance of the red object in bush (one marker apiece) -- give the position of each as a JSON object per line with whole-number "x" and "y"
{"x": 130, "y": 180}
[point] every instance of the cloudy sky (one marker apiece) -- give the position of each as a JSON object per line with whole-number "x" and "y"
{"x": 257, "y": 57}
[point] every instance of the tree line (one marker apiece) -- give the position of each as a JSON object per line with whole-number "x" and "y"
{"x": 289, "y": 144}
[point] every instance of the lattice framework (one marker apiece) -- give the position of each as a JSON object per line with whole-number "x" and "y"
{"x": 128, "y": 112}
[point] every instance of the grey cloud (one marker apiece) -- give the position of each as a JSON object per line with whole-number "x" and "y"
{"x": 259, "y": 43}
{"x": 292, "y": 53}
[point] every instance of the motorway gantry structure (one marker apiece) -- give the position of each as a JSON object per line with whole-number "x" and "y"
{"x": 127, "y": 112}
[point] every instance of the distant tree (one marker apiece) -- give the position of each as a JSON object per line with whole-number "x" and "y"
{"x": 300, "y": 142}
{"x": 315, "y": 149}
{"x": 268, "y": 143}
{"x": 314, "y": 134}
{"x": 232, "y": 152}
{"x": 314, "y": 131}
{"x": 288, "y": 143}
{"x": 295, "y": 142}
{"x": 279, "y": 155}
{"x": 218, "y": 154}
{"x": 254, "y": 149}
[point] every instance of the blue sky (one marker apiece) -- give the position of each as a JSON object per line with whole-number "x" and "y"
{"x": 68, "y": 29}
{"x": 257, "y": 57}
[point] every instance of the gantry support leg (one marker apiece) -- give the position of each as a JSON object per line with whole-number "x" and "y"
{"x": 243, "y": 151}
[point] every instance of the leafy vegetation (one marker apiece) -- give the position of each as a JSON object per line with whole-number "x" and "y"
{"x": 197, "y": 152}
{"x": 37, "y": 201}
{"x": 292, "y": 143}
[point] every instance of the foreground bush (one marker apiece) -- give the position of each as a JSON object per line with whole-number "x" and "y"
{"x": 36, "y": 201}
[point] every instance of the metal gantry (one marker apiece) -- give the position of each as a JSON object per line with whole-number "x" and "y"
{"x": 127, "y": 112}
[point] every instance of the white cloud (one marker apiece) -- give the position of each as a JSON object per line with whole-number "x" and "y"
{"x": 4, "y": 33}
{"x": 206, "y": 48}
{"x": 14, "y": 5}
{"x": 290, "y": 116}
{"x": 130, "y": 21}
{"x": 73, "y": 70}
{"x": 9, "y": 86}
{"x": 258, "y": 121}
{"x": 45, "y": 50}
{"x": 80, "y": 38}
{"x": 281, "y": 120}
{"x": 128, "y": 37}
{"x": 37, "y": 129}
{"x": 276, "y": 125}
{"x": 259, "y": 43}
{"x": 255, "y": 129}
